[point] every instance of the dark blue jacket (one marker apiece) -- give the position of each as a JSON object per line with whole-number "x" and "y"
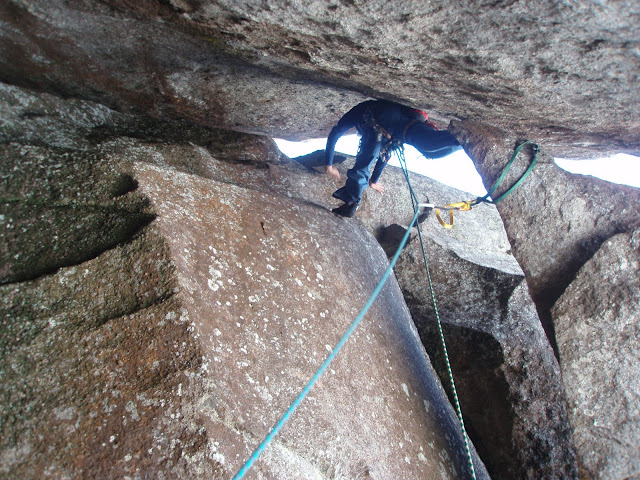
{"x": 393, "y": 117}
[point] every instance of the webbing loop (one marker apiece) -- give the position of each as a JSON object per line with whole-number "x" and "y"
{"x": 502, "y": 176}
{"x": 464, "y": 206}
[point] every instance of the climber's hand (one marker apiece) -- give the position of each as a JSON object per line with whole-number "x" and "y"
{"x": 377, "y": 187}
{"x": 332, "y": 172}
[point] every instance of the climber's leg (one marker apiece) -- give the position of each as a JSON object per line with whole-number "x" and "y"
{"x": 358, "y": 176}
{"x": 430, "y": 142}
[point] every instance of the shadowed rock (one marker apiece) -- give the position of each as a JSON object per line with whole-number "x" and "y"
{"x": 96, "y": 366}
{"x": 574, "y": 237}
{"x": 506, "y": 375}
{"x": 598, "y": 340}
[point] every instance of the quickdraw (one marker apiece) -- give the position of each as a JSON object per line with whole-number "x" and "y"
{"x": 465, "y": 206}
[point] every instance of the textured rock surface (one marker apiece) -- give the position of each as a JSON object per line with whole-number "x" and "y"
{"x": 561, "y": 73}
{"x": 555, "y": 220}
{"x": 598, "y": 328}
{"x": 65, "y": 208}
{"x": 507, "y": 377}
{"x": 96, "y": 371}
{"x": 263, "y": 290}
{"x": 167, "y": 353}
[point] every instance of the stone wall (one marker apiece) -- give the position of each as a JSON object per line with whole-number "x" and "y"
{"x": 574, "y": 237}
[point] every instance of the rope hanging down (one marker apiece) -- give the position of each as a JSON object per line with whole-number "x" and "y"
{"x": 465, "y": 206}
{"x": 414, "y": 200}
{"x": 274, "y": 431}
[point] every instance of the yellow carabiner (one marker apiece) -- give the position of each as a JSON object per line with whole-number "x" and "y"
{"x": 461, "y": 206}
{"x": 442, "y": 222}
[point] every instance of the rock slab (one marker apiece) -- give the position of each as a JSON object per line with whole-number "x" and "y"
{"x": 267, "y": 302}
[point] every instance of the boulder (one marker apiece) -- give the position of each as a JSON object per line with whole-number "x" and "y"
{"x": 268, "y": 303}
{"x": 598, "y": 340}
{"x": 170, "y": 350}
{"x": 565, "y": 231}
{"x": 555, "y": 220}
{"x": 507, "y": 378}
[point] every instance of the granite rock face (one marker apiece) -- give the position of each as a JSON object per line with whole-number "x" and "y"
{"x": 51, "y": 222}
{"x": 126, "y": 180}
{"x": 507, "y": 377}
{"x": 555, "y": 220}
{"x": 170, "y": 350}
{"x": 268, "y": 303}
{"x": 561, "y": 73}
{"x": 97, "y": 371}
{"x": 575, "y": 238}
{"x": 599, "y": 345}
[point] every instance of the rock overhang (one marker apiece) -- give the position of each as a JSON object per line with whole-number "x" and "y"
{"x": 564, "y": 75}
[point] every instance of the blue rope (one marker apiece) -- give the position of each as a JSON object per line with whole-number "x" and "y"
{"x": 296, "y": 403}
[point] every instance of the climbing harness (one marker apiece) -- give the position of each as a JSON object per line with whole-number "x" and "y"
{"x": 392, "y": 144}
{"x": 369, "y": 121}
{"x": 466, "y": 205}
{"x": 388, "y": 150}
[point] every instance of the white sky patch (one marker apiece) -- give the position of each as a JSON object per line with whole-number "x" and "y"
{"x": 621, "y": 168}
{"x": 457, "y": 170}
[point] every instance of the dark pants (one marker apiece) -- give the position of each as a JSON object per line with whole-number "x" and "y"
{"x": 358, "y": 177}
{"x": 430, "y": 142}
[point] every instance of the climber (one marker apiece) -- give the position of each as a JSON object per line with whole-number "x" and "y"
{"x": 383, "y": 126}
